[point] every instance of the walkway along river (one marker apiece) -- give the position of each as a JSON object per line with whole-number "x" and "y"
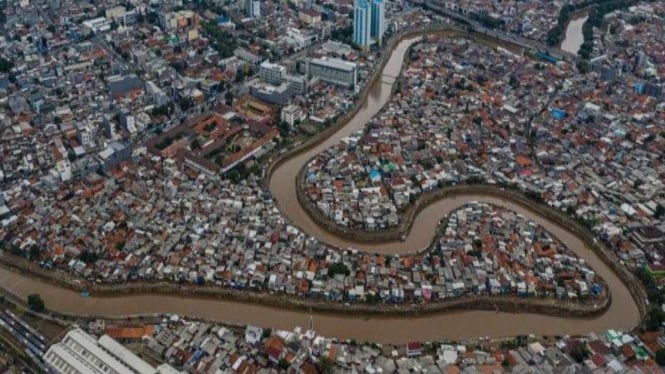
{"x": 622, "y": 314}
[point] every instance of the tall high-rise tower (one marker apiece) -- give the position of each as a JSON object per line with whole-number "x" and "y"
{"x": 378, "y": 20}
{"x": 253, "y": 8}
{"x": 362, "y": 22}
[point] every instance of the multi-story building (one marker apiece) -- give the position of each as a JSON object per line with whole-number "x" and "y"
{"x": 378, "y": 27}
{"x": 272, "y": 73}
{"x": 334, "y": 70}
{"x": 85, "y": 135}
{"x": 310, "y": 16}
{"x": 292, "y": 114}
{"x": 300, "y": 38}
{"x": 362, "y": 22}
{"x": 297, "y": 84}
{"x": 253, "y": 8}
{"x": 182, "y": 19}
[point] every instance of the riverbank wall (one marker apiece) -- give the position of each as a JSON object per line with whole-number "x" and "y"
{"x": 509, "y": 304}
{"x": 319, "y": 138}
{"x": 433, "y": 29}
{"x": 408, "y": 217}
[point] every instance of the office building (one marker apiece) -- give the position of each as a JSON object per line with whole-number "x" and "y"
{"x": 362, "y": 22}
{"x": 253, "y": 8}
{"x": 335, "y": 71}
{"x": 378, "y": 27}
{"x": 278, "y": 95}
{"x": 272, "y": 73}
{"x": 79, "y": 352}
{"x": 297, "y": 84}
{"x": 292, "y": 114}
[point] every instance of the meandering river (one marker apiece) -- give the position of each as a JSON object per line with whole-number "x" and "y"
{"x": 623, "y": 313}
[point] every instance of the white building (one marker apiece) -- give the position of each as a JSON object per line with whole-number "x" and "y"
{"x": 272, "y": 73}
{"x": 300, "y": 39}
{"x": 334, "y": 70}
{"x": 79, "y": 352}
{"x": 85, "y": 135}
{"x": 100, "y": 24}
{"x": 292, "y": 114}
{"x": 253, "y": 8}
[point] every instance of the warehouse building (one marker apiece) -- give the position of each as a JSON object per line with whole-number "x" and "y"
{"x": 79, "y": 352}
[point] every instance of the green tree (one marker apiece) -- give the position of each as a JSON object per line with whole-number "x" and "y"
{"x": 185, "y": 103}
{"x": 36, "y": 303}
{"x": 89, "y": 257}
{"x": 655, "y": 318}
{"x": 476, "y": 253}
{"x": 579, "y": 353}
{"x": 583, "y": 66}
{"x": 34, "y": 252}
{"x": 160, "y": 110}
{"x": 660, "y": 357}
{"x": 660, "y": 211}
{"x": 325, "y": 365}
{"x": 5, "y": 65}
{"x": 240, "y": 75}
{"x": 338, "y": 268}
{"x": 284, "y": 128}
{"x": 220, "y": 40}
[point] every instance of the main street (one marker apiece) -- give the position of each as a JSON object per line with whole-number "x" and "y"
{"x": 495, "y": 33}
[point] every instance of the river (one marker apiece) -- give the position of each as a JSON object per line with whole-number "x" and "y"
{"x": 574, "y": 37}
{"x": 623, "y": 313}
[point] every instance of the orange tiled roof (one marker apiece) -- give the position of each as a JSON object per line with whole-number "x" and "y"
{"x": 118, "y": 332}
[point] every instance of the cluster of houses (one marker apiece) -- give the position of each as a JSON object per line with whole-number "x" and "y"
{"x": 587, "y": 144}
{"x": 201, "y": 347}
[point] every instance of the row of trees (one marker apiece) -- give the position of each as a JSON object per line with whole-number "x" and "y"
{"x": 555, "y": 34}
{"x": 655, "y": 314}
{"x": 596, "y": 17}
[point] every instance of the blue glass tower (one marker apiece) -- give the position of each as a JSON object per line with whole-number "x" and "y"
{"x": 378, "y": 20}
{"x": 362, "y": 23}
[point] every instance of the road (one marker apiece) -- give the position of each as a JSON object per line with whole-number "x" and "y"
{"x": 501, "y": 35}
{"x": 34, "y": 344}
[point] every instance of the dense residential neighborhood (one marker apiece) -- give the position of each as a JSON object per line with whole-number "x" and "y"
{"x": 541, "y": 128}
{"x": 140, "y": 140}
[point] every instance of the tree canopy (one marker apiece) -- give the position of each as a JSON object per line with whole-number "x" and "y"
{"x": 36, "y": 303}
